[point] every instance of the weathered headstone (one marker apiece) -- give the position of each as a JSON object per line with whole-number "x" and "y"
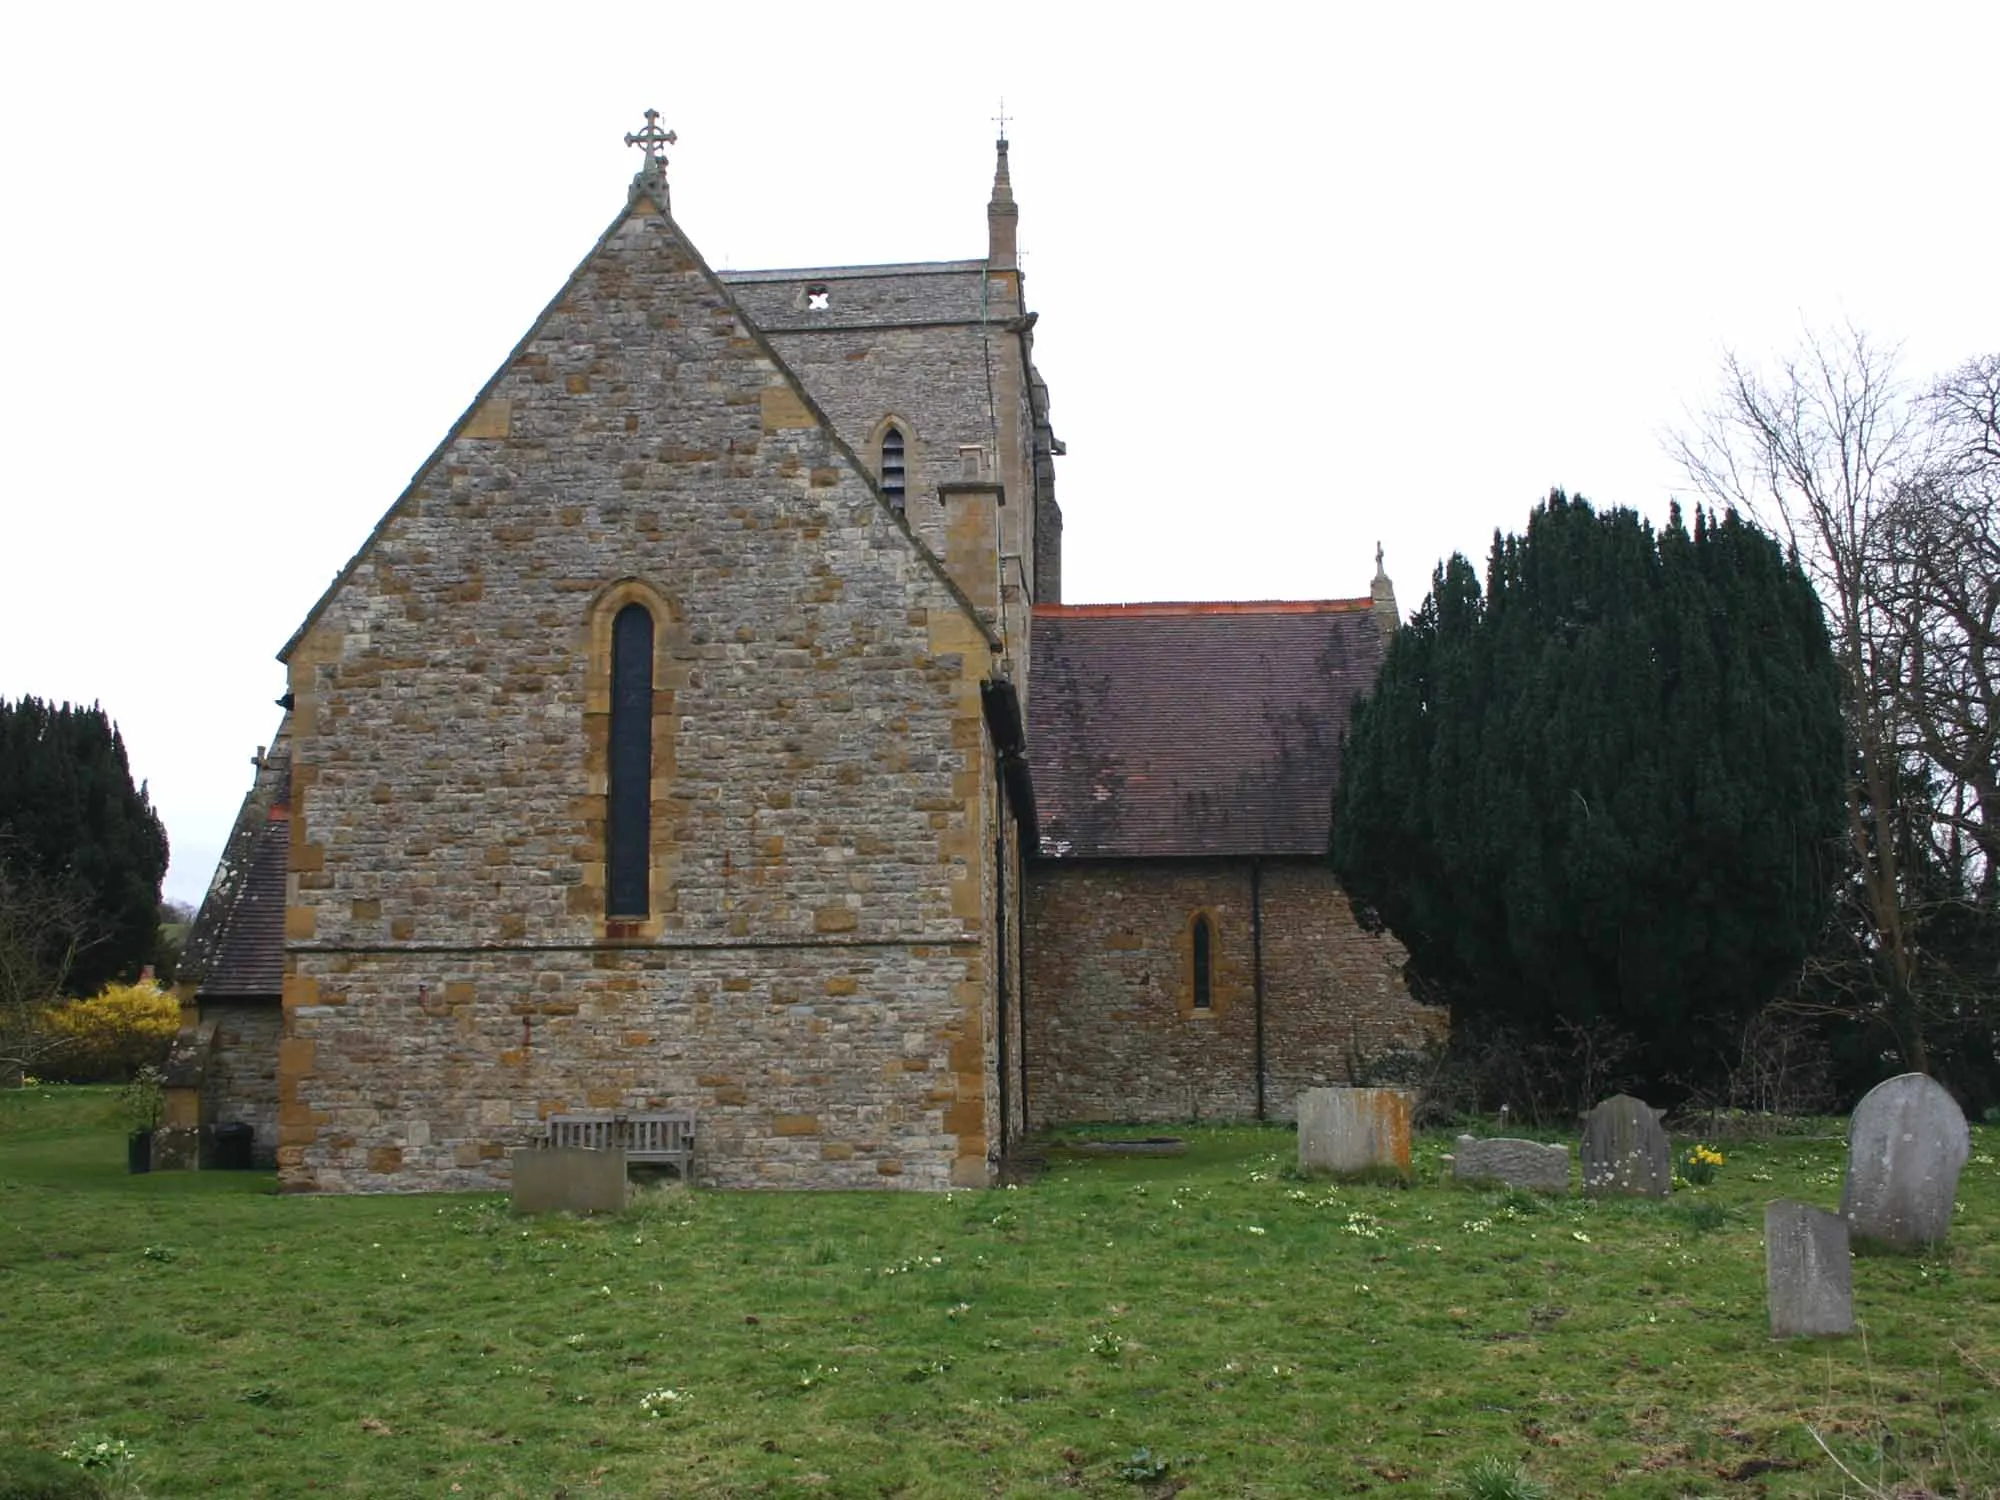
{"x": 1354, "y": 1130}
{"x": 1808, "y": 1271}
{"x": 177, "y": 1141}
{"x": 557, "y": 1179}
{"x": 1906, "y": 1144}
{"x": 1625, "y": 1150}
{"x": 1522, "y": 1164}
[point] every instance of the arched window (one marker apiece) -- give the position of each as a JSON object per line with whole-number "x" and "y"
{"x": 1204, "y": 962}
{"x": 895, "y": 482}
{"x": 628, "y": 811}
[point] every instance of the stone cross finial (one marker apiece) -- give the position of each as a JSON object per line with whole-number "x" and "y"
{"x": 651, "y": 180}
{"x": 652, "y": 138}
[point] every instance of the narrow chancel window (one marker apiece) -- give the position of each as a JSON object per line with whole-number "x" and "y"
{"x": 628, "y": 812}
{"x": 1204, "y": 962}
{"x": 895, "y": 482}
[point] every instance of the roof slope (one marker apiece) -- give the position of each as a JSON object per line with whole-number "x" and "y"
{"x": 237, "y": 947}
{"x": 1193, "y": 729}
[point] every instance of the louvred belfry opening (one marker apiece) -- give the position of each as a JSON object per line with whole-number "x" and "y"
{"x": 895, "y": 476}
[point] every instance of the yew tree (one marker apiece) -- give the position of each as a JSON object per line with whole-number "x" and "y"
{"x": 79, "y": 839}
{"x": 1605, "y": 789}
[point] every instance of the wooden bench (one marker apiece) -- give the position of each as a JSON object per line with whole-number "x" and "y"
{"x": 666, "y": 1137}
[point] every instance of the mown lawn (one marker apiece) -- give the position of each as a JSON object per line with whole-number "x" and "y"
{"x": 1204, "y": 1324}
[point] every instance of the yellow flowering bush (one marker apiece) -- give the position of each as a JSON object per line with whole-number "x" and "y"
{"x": 116, "y": 1032}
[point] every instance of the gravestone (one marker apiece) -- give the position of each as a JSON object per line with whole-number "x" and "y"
{"x": 1808, "y": 1271}
{"x": 1625, "y": 1150}
{"x": 1354, "y": 1130}
{"x": 1522, "y": 1164}
{"x": 1906, "y": 1144}
{"x": 568, "y": 1179}
{"x": 177, "y": 1140}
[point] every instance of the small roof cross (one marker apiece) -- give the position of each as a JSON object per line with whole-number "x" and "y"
{"x": 653, "y": 140}
{"x": 1001, "y": 118}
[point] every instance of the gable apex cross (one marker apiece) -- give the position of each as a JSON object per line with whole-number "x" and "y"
{"x": 652, "y": 138}
{"x": 651, "y": 179}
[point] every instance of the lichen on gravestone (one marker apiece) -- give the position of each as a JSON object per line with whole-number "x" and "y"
{"x": 1513, "y": 1163}
{"x": 1354, "y": 1131}
{"x": 1625, "y": 1150}
{"x": 1808, "y": 1271}
{"x": 1907, "y": 1143}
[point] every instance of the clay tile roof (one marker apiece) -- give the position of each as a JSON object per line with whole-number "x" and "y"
{"x": 1193, "y": 729}
{"x": 249, "y": 954}
{"x": 237, "y": 947}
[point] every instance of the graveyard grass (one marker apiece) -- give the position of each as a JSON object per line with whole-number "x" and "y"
{"x": 1209, "y": 1324}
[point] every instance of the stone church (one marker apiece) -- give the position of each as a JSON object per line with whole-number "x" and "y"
{"x": 704, "y": 730}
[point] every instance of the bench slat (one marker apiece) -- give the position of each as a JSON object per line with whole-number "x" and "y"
{"x": 666, "y": 1136}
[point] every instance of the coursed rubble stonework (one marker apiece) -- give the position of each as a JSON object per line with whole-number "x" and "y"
{"x": 241, "y": 1083}
{"x": 822, "y": 804}
{"x": 1113, "y": 1033}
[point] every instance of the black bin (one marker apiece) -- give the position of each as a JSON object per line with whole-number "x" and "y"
{"x": 234, "y": 1146}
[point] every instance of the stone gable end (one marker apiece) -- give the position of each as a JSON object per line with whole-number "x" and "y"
{"x": 812, "y": 978}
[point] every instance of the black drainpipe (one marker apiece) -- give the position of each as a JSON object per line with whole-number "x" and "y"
{"x": 1000, "y": 943}
{"x": 1022, "y": 979}
{"x": 1257, "y": 969}
{"x": 1015, "y": 793}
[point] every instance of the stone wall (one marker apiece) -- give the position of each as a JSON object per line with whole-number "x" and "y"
{"x": 1113, "y": 1031}
{"x": 1332, "y": 991}
{"x": 943, "y": 350}
{"x": 241, "y": 1082}
{"x": 934, "y": 347}
{"x": 816, "y": 975}
{"x": 806, "y": 1066}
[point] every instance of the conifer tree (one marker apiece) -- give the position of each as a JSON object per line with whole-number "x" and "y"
{"x": 74, "y": 831}
{"x": 1606, "y": 789}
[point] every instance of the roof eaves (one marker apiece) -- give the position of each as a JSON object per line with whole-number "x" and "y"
{"x": 1200, "y": 607}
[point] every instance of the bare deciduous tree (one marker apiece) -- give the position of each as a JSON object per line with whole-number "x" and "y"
{"x": 1891, "y": 497}
{"x": 1936, "y": 578}
{"x": 1821, "y": 452}
{"x": 41, "y": 933}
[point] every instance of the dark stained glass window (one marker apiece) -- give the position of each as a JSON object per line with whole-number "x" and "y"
{"x": 628, "y": 820}
{"x": 1204, "y": 962}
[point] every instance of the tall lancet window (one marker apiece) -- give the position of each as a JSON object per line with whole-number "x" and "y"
{"x": 628, "y": 812}
{"x": 895, "y": 479}
{"x": 1204, "y": 962}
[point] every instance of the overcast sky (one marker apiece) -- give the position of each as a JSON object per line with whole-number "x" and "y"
{"x": 1310, "y": 277}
